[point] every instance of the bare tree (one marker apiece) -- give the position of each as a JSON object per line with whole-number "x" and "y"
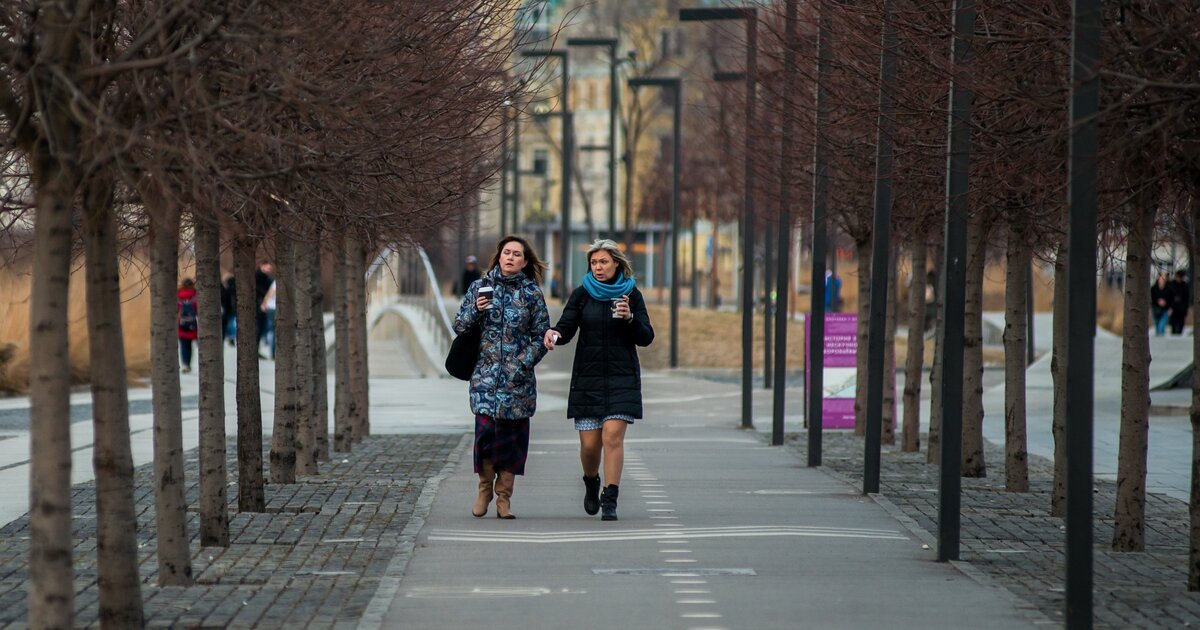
{"x": 251, "y": 492}
{"x": 214, "y": 512}
{"x": 1016, "y": 466}
{"x": 911, "y": 427}
{"x": 116, "y": 540}
{"x": 1130, "y": 512}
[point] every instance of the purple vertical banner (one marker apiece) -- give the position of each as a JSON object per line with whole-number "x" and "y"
{"x": 841, "y": 371}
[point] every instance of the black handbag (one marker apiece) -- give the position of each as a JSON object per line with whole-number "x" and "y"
{"x": 464, "y": 353}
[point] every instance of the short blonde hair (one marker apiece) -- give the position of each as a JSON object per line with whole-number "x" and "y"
{"x": 614, "y": 250}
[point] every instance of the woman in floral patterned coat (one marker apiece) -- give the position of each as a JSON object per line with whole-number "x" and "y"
{"x": 503, "y": 387}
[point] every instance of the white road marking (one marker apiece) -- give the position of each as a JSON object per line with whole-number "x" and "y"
{"x": 746, "y": 531}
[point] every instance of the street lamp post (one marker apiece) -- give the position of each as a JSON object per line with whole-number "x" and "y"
{"x": 567, "y": 140}
{"x": 613, "y": 96}
{"x": 675, "y": 86}
{"x": 751, "y": 17}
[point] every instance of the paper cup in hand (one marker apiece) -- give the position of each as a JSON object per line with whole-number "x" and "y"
{"x": 486, "y": 292}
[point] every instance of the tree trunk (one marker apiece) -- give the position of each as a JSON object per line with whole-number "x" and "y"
{"x": 306, "y": 436}
{"x": 915, "y": 359}
{"x": 888, "y": 436}
{"x": 283, "y": 434}
{"x": 863, "y": 251}
{"x": 116, "y": 541}
{"x": 1194, "y": 498}
{"x": 933, "y": 451}
{"x": 251, "y": 493}
{"x": 1016, "y": 332}
{"x": 1130, "y": 513}
{"x": 343, "y": 429}
{"x": 972, "y": 422}
{"x": 357, "y": 333}
{"x": 214, "y": 513}
{"x": 1058, "y": 370}
{"x": 320, "y": 372}
{"x": 170, "y": 505}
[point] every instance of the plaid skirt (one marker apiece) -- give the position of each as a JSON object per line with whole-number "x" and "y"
{"x": 505, "y": 443}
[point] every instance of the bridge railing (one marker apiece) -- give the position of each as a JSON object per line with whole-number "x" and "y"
{"x": 403, "y": 274}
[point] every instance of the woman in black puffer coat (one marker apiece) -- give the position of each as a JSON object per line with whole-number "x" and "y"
{"x": 610, "y": 316}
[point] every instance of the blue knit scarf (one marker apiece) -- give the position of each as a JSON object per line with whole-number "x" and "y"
{"x": 606, "y": 290}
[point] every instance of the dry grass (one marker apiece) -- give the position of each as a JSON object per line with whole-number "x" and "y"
{"x": 15, "y": 285}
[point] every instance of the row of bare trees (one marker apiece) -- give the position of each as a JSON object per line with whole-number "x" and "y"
{"x": 306, "y": 133}
{"x": 1018, "y": 76}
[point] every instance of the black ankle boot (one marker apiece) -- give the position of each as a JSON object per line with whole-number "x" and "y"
{"x": 608, "y": 503}
{"x": 591, "y": 494}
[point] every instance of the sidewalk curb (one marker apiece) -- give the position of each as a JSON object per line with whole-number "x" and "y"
{"x": 1026, "y": 609}
{"x": 389, "y": 582}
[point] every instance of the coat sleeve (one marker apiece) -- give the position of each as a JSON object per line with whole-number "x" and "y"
{"x": 537, "y": 330}
{"x": 638, "y": 329}
{"x": 468, "y": 315}
{"x": 568, "y": 322}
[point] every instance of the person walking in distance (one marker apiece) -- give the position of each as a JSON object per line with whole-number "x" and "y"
{"x": 1182, "y": 299}
{"x": 1161, "y": 299}
{"x": 186, "y": 323}
{"x": 470, "y": 274}
{"x": 507, "y": 303}
{"x": 609, "y": 314}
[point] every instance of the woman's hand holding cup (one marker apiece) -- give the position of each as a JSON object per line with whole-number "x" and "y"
{"x": 483, "y": 300}
{"x": 621, "y": 308}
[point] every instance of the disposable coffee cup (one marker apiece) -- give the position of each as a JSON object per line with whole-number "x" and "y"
{"x": 614, "y": 307}
{"x": 486, "y": 292}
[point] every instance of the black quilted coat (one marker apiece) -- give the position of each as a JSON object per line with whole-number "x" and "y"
{"x": 606, "y": 379}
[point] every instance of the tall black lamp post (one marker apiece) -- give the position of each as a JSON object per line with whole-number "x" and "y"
{"x": 751, "y": 17}
{"x": 567, "y": 151}
{"x": 675, "y": 86}
{"x": 613, "y": 101}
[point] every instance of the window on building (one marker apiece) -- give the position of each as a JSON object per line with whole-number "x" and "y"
{"x": 541, "y": 160}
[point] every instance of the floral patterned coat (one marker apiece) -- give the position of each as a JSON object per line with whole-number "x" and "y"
{"x": 503, "y": 385}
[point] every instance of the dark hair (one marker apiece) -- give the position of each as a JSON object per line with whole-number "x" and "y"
{"x": 534, "y": 268}
{"x": 188, "y": 283}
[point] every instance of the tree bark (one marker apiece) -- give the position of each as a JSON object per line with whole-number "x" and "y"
{"x": 357, "y": 333}
{"x": 306, "y": 437}
{"x": 1016, "y": 332}
{"x": 251, "y": 491}
{"x": 973, "y": 464}
{"x": 320, "y": 372}
{"x": 888, "y": 436}
{"x": 933, "y": 451}
{"x": 343, "y": 429}
{"x": 1130, "y": 513}
{"x": 1194, "y": 498}
{"x": 1058, "y": 370}
{"x": 112, "y": 459}
{"x": 214, "y": 513}
{"x": 170, "y": 505}
{"x": 915, "y": 359}
{"x": 863, "y": 251}
{"x": 283, "y": 433}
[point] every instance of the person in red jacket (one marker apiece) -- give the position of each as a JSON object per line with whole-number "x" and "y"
{"x": 186, "y": 321}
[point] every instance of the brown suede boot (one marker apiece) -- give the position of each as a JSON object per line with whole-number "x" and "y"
{"x": 486, "y": 478}
{"x": 504, "y": 489}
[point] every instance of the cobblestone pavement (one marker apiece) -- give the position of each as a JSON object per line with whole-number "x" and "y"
{"x": 314, "y": 559}
{"x": 1013, "y": 542}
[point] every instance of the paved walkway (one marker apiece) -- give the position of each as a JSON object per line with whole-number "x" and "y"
{"x": 717, "y": 530}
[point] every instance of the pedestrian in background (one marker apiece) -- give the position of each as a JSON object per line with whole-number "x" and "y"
{"x": 1161, "y": 299}
{"x": 470, "y": 274}
{"x": 185, "y": 321}
{"x": 229, "y": 308}
{"x": 609, "y": 314}
{"x": 507, "y": 303}
{"x": 267, "y": 331}
{"x": 264, "y": 279}
{"x": 1181, "y": 299}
